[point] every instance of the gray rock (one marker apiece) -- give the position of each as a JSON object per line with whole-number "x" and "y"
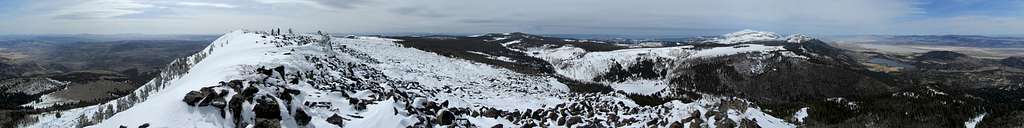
{"x": 192, "y": 98}
{"x": 445, "y": 117}
{"x": 336, "y": 120}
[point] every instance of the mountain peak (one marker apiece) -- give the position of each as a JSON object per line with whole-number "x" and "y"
{"x": 798, "y": 38}
{"x": 748, "y": 35}
{"x": 752, "y": 33}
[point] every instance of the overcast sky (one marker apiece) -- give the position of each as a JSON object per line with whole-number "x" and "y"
{"x": 636, "y": 17}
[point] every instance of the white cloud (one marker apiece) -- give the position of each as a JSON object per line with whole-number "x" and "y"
{"x": 205, "y": 4}
{"x": 100, "y": 9}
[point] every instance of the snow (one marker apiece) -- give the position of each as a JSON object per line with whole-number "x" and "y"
{"x": 578, "y": 64}
{"x": 935, "y": 91}
{"x": 974, "y": 121}
{"x": 230, "y": 51}
{"x": 801, "y": 114}
{"x": 379, "y": 116}
{"x": 645, "y": 87}
{"x": 31, "y": 86}
{"x": 746, "y": 35}
{"x": 226, "y": 55}
{"x": 841, "y": 100}
{"x": 489, "y": 56}
{"x": 467, "y": 84}
{"x": 798, "y": 38}
{"x": 479, "y": 85}
{"x": 742, "y": 48}
{"x": 679, "y": 110}
{"x": 47, "y": 101}
{"x": 489, "y": 122}
{"x": 506, "y": 44}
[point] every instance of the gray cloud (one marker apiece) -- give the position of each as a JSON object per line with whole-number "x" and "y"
{"x": 417, "y": 11}
{"x": 332, "y": 5}
{"x": 536, "y": 16}
{"x": 206, "y": 4}
{"x": 94, "y": 9}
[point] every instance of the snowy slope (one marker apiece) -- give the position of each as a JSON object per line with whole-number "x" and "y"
{"x": 581, "y": 65}
{"x": 230, "y": 52}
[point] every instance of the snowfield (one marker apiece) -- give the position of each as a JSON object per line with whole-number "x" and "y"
{"x": 375, "y": 82}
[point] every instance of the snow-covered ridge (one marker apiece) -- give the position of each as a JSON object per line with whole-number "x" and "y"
{"x": 747, "y": 35}
{"x": 578, "y": 64}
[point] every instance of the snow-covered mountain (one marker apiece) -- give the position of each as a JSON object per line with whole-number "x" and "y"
{"x": 748, "y": 36}
{"x": 743, "y": 79}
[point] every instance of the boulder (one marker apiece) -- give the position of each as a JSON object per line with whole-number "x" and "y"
{"x": 264, "y": 71}
{"x": 431, "y": 105}
{"x": 267, "y": 123}
{"x": 192, "y": 98}
{"x": 676, "y": 124}
{"x": 280, "y": 70}
{"x": 539, "y": 114}
{"x": 573, "y": 120}
{"x": 268, "y": 114}
{"x": 445, "y": 117}
{"x": 236, "y": 85}
{"x": 336, "y": 120}
{"x": 552, "y": 116}
{"x": 250, "y": 91}
{"x": 235, "y": 105}
{"x": 302, "y": 118}
{"x": 490, "y": 112}
{"x": 267, "y": 108}
{"x": 208, "y": 96}
{"x": 561, "y": 121}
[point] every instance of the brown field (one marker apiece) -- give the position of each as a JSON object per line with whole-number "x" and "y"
{"x": 91, "y": 91}
{"x": 987, "y": 53}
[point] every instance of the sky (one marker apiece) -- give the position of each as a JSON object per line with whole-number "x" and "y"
{"x": 623, "y": 17}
